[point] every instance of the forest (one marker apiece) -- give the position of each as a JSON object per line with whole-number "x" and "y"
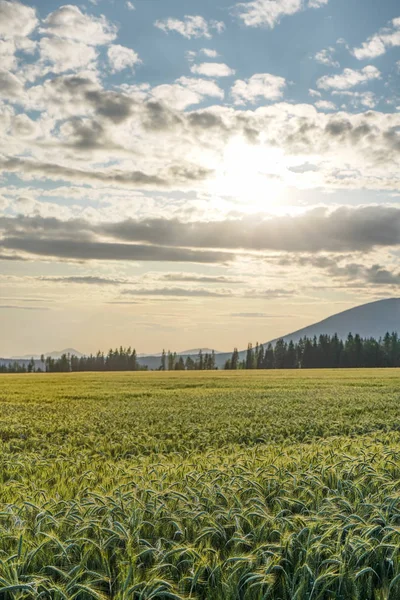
{"x": 324, "y": 352}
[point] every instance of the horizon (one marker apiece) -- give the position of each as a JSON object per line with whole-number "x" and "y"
{"x": 208, "y": 175}
{"x": 193, "y": 351}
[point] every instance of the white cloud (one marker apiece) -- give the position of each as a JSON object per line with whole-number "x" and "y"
{"x": 69, "y": 22}
{"x": 7, "y": 54}
{"x": 192, "y": 26}
{"x": 258, "y": 13}
{"x": 65, "y": 55}
{"x": 177, "y": 96}
{"x": 349, "y": 78}
{"x": 377, "y": 44}
{"x": 16, "y": 19}
{"x": 209, "y": 52}
{"x": 357, "y": 99}
{"x": 314, "y": 93}
{"x": 260, "y": 85}
{"x": 317, "y": 3}
{"x": 266, "y": 12}
{"x": 205, "y": 87}
{"x": 325, "y": 105}
{"x": 324, "y": 57}
{"x": 121, "y": 57}
{"x": 130, "y": 6}
{"x": 187, "y": 91}
{"x": 212, "y": 70}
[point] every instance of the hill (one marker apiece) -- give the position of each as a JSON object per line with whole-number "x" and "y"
{"x": 55, "y": 354}
{"x": 369, "y": 320}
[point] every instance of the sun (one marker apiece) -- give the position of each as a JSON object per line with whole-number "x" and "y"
{"x": 251, "y": 175}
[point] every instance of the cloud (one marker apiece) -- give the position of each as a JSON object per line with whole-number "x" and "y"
{"x": 140, "y": 138}
{"x": 65, "y": 55}
{"x": 187, "y": 91}
{"x": 378, "y": 44}
{"x": 16, "y": 19}
{"x": 191, "y": 27}
{"x": 212, "y": 70}
{"x": 269, "y": 13}
{"x": 341, "y": 230}
{"x": 69, "y": 22}
{"x": 325, "y": 105}
{"x": 129, "y": 5}
{"x": 357, "y": 99}
{"x": 133, "y": 179}
{"x": 209, "y": 52}
{"x": 261, "y": 85}
{"x": 102, "y": 251}
{"x": 356, "y": 274}
{"x": 84, "y": 280}
{"x": 349, "y": 78}
{"x": 324, "y": 57}
{"x": 121, "y": 58}
{"x": 179, "y": 292}
{"x": 193, "y": 278}
{"x": 12, "y": 257}
{"x": 10, "y": 86}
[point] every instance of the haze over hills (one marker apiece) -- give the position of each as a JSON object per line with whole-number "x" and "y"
{"x": 192, "y": 352}
{"x": 368, "y": 320}
{"x": 55, "y": 354}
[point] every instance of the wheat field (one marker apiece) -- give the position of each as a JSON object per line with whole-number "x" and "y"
{"x": 245, "y": 485}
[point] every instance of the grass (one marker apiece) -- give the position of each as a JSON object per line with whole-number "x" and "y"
{"x": 245, "y": 485}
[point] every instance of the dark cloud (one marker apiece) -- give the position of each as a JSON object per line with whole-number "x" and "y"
{"x": 109, "y": 251}
{"x": 114, "y": 106}
{"x": 184, "y": 292}
{"x": 204, "y": 293}
{"x": 192, "y": 278}
{"x": 11, "y": 257}
{"x": 84, "y": 280}
{"x": 174, "y": 175}
{"x": 344, "y": 229}
{"x": 341, "y": 231}
{"x": 340, "y": 268}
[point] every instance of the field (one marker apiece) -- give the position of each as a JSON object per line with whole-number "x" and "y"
{"x": 214, "y": 486}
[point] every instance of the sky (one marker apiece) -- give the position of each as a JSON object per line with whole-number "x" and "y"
{"x": 182, "y": 174}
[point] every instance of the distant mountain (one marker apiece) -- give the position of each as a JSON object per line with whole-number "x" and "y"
{"x": 195, "y": 351}
{"x": 54, "y": 354}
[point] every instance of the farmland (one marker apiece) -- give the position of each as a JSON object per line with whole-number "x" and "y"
{"x": 213, "y": 486}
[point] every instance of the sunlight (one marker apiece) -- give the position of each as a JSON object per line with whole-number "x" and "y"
{"x": 252, "y": 175}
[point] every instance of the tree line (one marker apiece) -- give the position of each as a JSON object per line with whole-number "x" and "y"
{"x": 325, "y": 351}
{"x": 329, "y": 352}
{"x": 200, "y": 362}
{"x": 120, "y": 359}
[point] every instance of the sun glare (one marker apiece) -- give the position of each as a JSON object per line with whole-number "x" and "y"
{"x": 251, "y": 175}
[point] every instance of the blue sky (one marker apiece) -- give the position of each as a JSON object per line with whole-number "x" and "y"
{"x": 194, "y": 174}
